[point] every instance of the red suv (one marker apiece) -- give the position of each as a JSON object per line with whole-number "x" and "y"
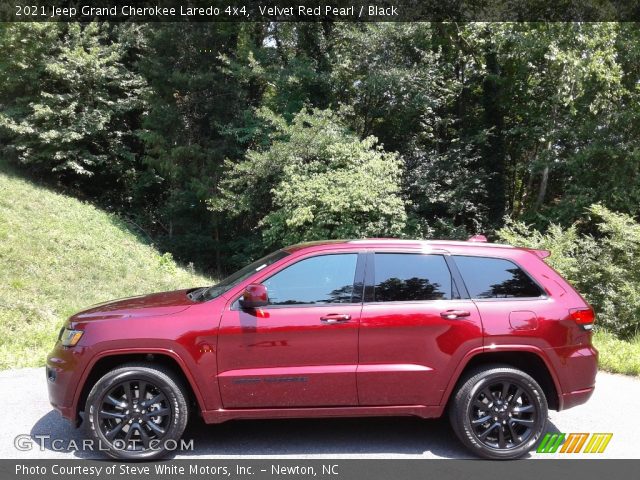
{"x": 487, "y": 333}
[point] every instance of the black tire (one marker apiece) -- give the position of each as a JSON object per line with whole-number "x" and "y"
{"x": 120, "y": 407}
{"x": 494, "y": 425}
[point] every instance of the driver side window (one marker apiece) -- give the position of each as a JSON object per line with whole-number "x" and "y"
{"x": 314, "y": 281}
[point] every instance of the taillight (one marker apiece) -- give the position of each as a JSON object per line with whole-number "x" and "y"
{"x": 583, "y": 317}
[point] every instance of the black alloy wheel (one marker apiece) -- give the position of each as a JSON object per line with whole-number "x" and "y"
{"x": 502, "y": 415}
{"x": 133, "y": 414}
{"x": 137, "y": 411}
{"x": 499, "y": 412}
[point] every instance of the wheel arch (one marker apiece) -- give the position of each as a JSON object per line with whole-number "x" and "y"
{"x": 109, "y": 360}
{"x": 528, "y": 360}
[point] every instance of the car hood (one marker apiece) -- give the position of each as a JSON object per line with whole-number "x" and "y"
{"x": 153, "y": 305}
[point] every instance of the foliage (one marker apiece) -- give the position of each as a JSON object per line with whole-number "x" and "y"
{"x": 604, "y": 265}
{"x": 74, "y": 101}
{"x": 60, "y": 255}
{"x": 533, "y": 121}
{"x": 316, "y": 180}
{"x": 191, "y": 106}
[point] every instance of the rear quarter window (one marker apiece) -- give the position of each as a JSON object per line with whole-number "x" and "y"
{"x": 495, "y": 278}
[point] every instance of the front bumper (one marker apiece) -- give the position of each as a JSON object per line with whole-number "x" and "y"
{"x": 64, "y": 369}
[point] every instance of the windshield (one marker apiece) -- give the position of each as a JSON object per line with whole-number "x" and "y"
{"x": 242, "y": 274}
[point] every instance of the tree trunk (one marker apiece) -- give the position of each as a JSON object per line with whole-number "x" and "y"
{"x": 544, "y": 181}
{"x": 543, "y": 187}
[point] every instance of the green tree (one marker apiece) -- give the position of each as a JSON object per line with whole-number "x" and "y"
{"x": 73, "y": 108}
{"x": 533, "y": 121}
{"x": 315, "y": 180}
{"x": 196, "y": 108}
{"x": 563, "y": 85}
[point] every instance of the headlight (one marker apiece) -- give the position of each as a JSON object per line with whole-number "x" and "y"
{"x": 70, "y": 337}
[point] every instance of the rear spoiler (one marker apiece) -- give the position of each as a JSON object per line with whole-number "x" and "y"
{"x": 538, "y": 252}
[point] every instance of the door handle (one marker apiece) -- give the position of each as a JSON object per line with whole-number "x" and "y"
{"x": 453, "y": 314}
{"x": 335, "y": 318}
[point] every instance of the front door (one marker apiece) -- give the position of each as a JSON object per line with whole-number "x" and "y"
{"x": 302, "y": 349}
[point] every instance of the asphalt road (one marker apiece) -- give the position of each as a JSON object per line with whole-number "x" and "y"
{"x": 28, "y": 415}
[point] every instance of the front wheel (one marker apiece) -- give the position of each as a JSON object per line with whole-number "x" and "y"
{"x": 137, "y": 411}
{"x": 499, "y": 412}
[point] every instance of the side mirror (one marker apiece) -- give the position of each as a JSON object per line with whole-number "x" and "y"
{"x": 254, "y": 296}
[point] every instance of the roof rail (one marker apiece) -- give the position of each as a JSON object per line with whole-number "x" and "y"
{"x": 477, "y": 238}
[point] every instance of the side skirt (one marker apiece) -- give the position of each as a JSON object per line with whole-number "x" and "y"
{"x": 223, "y": 415}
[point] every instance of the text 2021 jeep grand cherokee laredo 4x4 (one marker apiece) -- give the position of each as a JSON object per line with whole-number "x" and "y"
{"x": 487, "y": 332}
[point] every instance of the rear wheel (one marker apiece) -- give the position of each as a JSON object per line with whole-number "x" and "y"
{"x": 137, "y": 411}
{"x": 499, "y": 412}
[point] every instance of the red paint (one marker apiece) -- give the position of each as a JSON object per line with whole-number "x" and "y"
{"x": 395, "y": 358}
{"x": 401, "y": 334}
{"x": 293, "y": 343}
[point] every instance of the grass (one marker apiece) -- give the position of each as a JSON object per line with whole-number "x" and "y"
{"x": 618, "y": 356}
{"x": 59, "y": 255}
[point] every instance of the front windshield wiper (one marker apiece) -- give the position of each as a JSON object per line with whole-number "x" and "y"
{"x": 197, "y": 294}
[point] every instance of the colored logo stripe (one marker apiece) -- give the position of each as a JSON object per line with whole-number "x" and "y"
{"x": 574, "y": 442}
{"x": 550, "y": 443}
{"x": 598, "y": 442}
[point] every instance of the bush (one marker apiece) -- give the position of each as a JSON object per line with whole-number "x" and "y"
{"x": 603, "y": 265}
{"x": 316, "y": 180}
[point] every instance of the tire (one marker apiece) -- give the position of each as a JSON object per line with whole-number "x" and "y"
{"x": 120, "y": 414}
{"x": 494, "y": 425}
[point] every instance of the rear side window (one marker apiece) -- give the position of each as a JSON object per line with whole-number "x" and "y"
{"x": 495, "y": 278}
{"x": 411, "y": 277}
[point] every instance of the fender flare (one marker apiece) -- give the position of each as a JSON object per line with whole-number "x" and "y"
{"x": 470, "y": 355}
{"x": 137, "y": 351}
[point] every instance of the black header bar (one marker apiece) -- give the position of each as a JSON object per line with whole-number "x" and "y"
{"x": 315, "y": 11}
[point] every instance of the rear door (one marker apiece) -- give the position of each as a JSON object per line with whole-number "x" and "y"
{"x": 415, "y": 327}
{"x": 302, "y": 349}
